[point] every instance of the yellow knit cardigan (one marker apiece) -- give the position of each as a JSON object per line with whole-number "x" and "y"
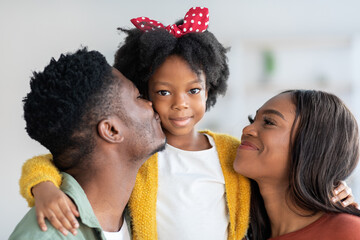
{"x": 142, "y": 203}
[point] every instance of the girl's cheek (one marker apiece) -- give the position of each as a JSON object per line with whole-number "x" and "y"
{"x": 158, "y": 108}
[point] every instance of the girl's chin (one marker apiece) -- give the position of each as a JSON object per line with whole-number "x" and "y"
{"x": 178, "y": 131}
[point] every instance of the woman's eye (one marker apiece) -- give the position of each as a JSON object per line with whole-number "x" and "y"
{"x": 163, "y": 93}
{"x": 251, "y": 119}
{"x": 194, "y": 91}
{"x": 140, "y": 96}
{"x": 268, "y": 121}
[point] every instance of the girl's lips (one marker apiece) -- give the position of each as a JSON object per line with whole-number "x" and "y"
{"x": 248, "y": 146}
{"x": 180, "y": 122}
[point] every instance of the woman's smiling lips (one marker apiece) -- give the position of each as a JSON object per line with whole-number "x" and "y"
{"x": 180, "y": 121}
{"x": 248, "y": 146}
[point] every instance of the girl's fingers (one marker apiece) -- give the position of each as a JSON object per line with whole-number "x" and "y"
{"x": 73, "y": 208}
{"x": 347, "y": 201}
{"x": 75, "y": 211}
{"x": 356, "y": 205}
{"x": 340, "y": 188}
{"x": 41, "y": 221}
{"x": 59, "y": 212}
{"x": 57, "y": 224}
{"x": 343, "y": 195}
{"x": 68, "y": 212}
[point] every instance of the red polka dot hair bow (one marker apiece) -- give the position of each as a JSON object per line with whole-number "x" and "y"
{"x": 195, "y": 20}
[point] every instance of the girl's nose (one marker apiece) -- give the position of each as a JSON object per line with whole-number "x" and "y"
{"x": 180, "y": 102}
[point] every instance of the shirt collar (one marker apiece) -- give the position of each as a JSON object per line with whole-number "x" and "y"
{"x": 73, "y": 189}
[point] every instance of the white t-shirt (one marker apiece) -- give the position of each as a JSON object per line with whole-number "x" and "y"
{"x": 191, "y": 201}
{"x": 123, "y": 234}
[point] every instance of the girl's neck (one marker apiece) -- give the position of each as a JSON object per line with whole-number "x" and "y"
{"x": 193, "y": 141}
{"x": 284, "y": 216}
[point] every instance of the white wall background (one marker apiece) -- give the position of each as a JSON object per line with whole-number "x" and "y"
{"x": 315, "y": 44}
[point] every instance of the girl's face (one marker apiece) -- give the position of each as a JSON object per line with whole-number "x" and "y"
{"x": 264, "y": 152}
{"x": 179, "y": 96}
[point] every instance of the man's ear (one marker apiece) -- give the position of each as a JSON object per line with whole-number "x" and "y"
{"x": 110, "y": 129}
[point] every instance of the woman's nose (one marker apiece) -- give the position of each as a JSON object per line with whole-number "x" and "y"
{"x": 250, "y": 130}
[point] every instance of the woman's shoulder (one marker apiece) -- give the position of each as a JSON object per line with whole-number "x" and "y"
{"x": 347, "y": 225}
{"x": 344, "y": 218}
{"x": 331, "y": 226}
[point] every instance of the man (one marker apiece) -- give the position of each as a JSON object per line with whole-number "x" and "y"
{"x": 99, "y": 131}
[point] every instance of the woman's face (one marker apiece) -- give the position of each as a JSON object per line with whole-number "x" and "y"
{"x": 264, "y": 152}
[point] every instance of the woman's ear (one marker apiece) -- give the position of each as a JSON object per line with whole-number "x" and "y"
{"x": 110, "y": 129}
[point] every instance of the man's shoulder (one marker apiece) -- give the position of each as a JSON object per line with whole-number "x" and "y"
{"x": 28, "y": 228}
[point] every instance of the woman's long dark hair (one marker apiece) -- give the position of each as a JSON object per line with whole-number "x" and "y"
{"x": 325, "y": 151}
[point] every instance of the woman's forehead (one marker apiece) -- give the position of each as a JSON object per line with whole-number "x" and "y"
{"x": 282, "y": 103}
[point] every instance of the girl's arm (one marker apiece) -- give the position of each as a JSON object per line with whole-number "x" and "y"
{"x": 36, "y": 170}
{"x": 39, "y": 184}
{"x": 343, "y": 194}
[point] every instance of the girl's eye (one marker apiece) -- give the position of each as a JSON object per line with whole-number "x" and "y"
{"x": 251, "y": 119}
{"x": 163, "y": 93}
{"x": 140, "y": 96}
{"x": 194, "y": 91}
{"x": 268, "y": 121}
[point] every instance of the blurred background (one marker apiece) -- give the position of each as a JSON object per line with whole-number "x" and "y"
{"x": 275, "y": 45}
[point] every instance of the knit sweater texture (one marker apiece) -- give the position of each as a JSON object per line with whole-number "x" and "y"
{"x": 142, "y": 203}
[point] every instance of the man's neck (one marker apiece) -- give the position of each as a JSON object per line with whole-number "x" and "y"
{"x": 284, "y": 216}
{"x": 108, "y": 186}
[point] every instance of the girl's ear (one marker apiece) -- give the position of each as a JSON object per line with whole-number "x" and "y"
{"x": 110, "y": 129}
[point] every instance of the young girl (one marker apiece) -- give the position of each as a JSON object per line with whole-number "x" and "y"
{"x": 190, "y": 190}
{"x": 297, "y": 148}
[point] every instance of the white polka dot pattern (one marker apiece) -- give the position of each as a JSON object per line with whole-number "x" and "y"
{"x": 196, "y": 20}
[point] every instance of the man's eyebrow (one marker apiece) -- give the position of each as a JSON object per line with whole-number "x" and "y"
{"x": 272, "y": 111}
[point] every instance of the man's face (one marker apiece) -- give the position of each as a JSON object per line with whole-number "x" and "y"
{"x": 143, "y": 135}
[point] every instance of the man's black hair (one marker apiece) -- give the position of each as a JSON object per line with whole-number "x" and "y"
{"x": 65, "y": 103}
{"x": 144, "y": 52}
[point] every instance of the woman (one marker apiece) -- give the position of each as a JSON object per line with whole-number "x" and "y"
{"x": 297, "y": 148}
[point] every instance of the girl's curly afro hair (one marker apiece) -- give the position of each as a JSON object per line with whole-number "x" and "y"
{"x": 144, "y": 52}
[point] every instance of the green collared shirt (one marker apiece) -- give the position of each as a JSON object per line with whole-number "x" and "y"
{"x": 89, "y": 225}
